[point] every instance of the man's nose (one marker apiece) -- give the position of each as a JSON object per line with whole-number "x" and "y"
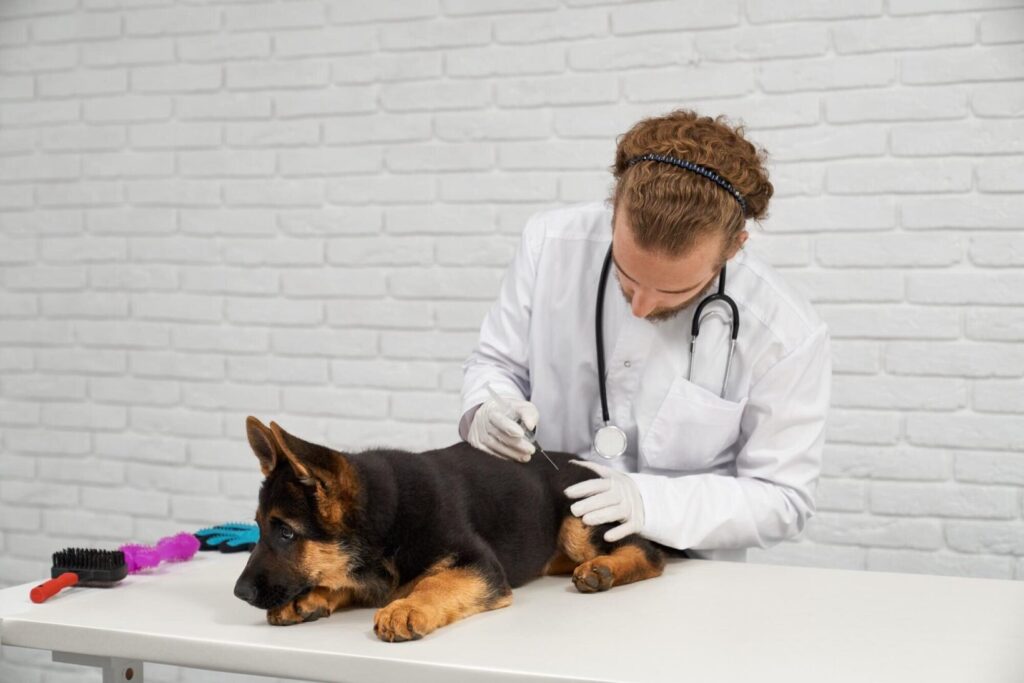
{"x": 642, "y": 303}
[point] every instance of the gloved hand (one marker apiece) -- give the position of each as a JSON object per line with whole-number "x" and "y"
{"x": 494, "y": 431}
{"x": 613, "y": 497}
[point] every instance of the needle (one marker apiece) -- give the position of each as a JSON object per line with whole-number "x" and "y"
{"x": 531, "y": 434}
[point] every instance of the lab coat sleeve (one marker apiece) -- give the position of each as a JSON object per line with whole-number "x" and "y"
{"x": 501, "y": 356}
{"x": 772, "y": 495}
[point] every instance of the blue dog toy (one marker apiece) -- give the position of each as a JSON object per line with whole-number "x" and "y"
{"x": 229, "y": 538}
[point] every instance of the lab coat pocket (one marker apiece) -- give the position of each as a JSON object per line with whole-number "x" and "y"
{"x": 691, "y": 428}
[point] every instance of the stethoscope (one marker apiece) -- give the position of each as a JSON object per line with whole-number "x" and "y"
{"x": 610, "y": 441}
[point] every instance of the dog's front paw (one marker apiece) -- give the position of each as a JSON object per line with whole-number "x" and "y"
{"x": 592, "y": 577}
{"x": 403, "y": 620}
{"x": 308, "y": 607}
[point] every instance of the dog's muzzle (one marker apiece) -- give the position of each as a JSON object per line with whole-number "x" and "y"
{"x": 259, "y": 593}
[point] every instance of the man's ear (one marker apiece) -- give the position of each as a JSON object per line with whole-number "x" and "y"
{"x": 263, "y": 445}
{"x": 738, "y": 243}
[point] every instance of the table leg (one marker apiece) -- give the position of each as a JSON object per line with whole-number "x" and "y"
{"x": 115, "y": 669}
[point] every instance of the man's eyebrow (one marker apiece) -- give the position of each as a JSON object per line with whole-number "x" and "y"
{"x": 663, "y": 291}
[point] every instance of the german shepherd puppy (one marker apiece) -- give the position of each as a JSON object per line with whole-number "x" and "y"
{"x": 428, "y": 538}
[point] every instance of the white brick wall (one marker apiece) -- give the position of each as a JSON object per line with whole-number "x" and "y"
{"x": 301, "y": 210}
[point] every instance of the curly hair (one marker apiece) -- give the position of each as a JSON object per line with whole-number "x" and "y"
{"x": 670, "y": 209}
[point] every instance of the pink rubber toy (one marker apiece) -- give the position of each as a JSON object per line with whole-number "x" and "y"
{"x": 177, "y": 548}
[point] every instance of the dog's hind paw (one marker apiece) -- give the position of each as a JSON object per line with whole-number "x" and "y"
{"x": 400, "y": 621}
{"x": 592, "y": 577}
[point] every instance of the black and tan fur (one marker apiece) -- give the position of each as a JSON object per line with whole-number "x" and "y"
{"x": 428, "y": 538}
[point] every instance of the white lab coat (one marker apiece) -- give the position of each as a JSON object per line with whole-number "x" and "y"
{"x": 717, "y": 475}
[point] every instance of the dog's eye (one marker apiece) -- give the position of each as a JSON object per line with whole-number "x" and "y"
{"x": 287, "y": 533}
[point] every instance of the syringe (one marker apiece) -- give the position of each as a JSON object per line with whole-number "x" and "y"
{"x": 531, "y": 434}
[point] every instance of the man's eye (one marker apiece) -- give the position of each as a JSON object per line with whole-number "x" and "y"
{"x": 287, "y": 533}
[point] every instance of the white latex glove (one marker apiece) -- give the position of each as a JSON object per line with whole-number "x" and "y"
{"x": 613, "y": 497}
{"x": 494, "y": 431}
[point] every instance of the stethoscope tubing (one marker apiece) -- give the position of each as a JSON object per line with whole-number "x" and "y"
{"x": 599, "y": 334}
{"x": 720, "y": 295}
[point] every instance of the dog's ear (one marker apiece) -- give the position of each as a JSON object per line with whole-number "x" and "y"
{"x": 306, "y": 459}
{"x": 263, "y": 445}
{"x": 328, "y": 472}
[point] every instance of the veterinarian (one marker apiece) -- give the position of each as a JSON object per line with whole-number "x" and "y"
{"x": 714, "y": 456}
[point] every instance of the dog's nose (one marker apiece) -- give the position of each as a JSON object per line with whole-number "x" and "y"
{"x": 245, "y": 590}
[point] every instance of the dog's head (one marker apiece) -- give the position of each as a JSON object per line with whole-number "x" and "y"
{"x": 305, "y": 511}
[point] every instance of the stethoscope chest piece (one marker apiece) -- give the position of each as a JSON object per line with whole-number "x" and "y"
{"x": 610, "y": 442}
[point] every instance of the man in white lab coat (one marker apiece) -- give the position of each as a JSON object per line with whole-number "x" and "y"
{"x": 719, "y": 456}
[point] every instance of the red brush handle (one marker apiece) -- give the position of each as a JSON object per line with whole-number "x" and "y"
{"x": 47, "y": 590}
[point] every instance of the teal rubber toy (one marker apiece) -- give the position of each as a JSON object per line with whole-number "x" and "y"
{"x": 229, "y": 538}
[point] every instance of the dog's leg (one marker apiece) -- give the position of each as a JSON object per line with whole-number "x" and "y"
{"x": 560, "y": 564}
{"x": 576, "y": 541}
{"x": 443, "y": 594}
{"x": 316, "y": 604}
{"x": 631, "y": 560}
{"x": 601, "y": 565}
{"x": 574, "y": 546}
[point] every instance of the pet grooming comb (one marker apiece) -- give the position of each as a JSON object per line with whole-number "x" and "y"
{"x": 82, "y": 567}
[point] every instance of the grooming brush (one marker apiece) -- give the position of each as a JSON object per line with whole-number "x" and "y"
{"x": 229, "y": 538}
{"x": 177, "y": 548}
{"x": 82, "y": 567}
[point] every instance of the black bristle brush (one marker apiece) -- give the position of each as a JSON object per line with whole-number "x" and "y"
{"x": 81, "y": 567}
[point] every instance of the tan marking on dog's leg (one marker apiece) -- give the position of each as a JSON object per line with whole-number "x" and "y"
{"x": 405, "y": 589}
{"x": 559, "y": 564}
{"x": 316, "y": 604}
{"x": 625, "y": 564}
{"x": 574, "y": 540}
{"x": 435, "y": 600}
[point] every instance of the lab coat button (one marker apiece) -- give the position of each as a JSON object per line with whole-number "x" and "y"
{"x": 627, "y": 364}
